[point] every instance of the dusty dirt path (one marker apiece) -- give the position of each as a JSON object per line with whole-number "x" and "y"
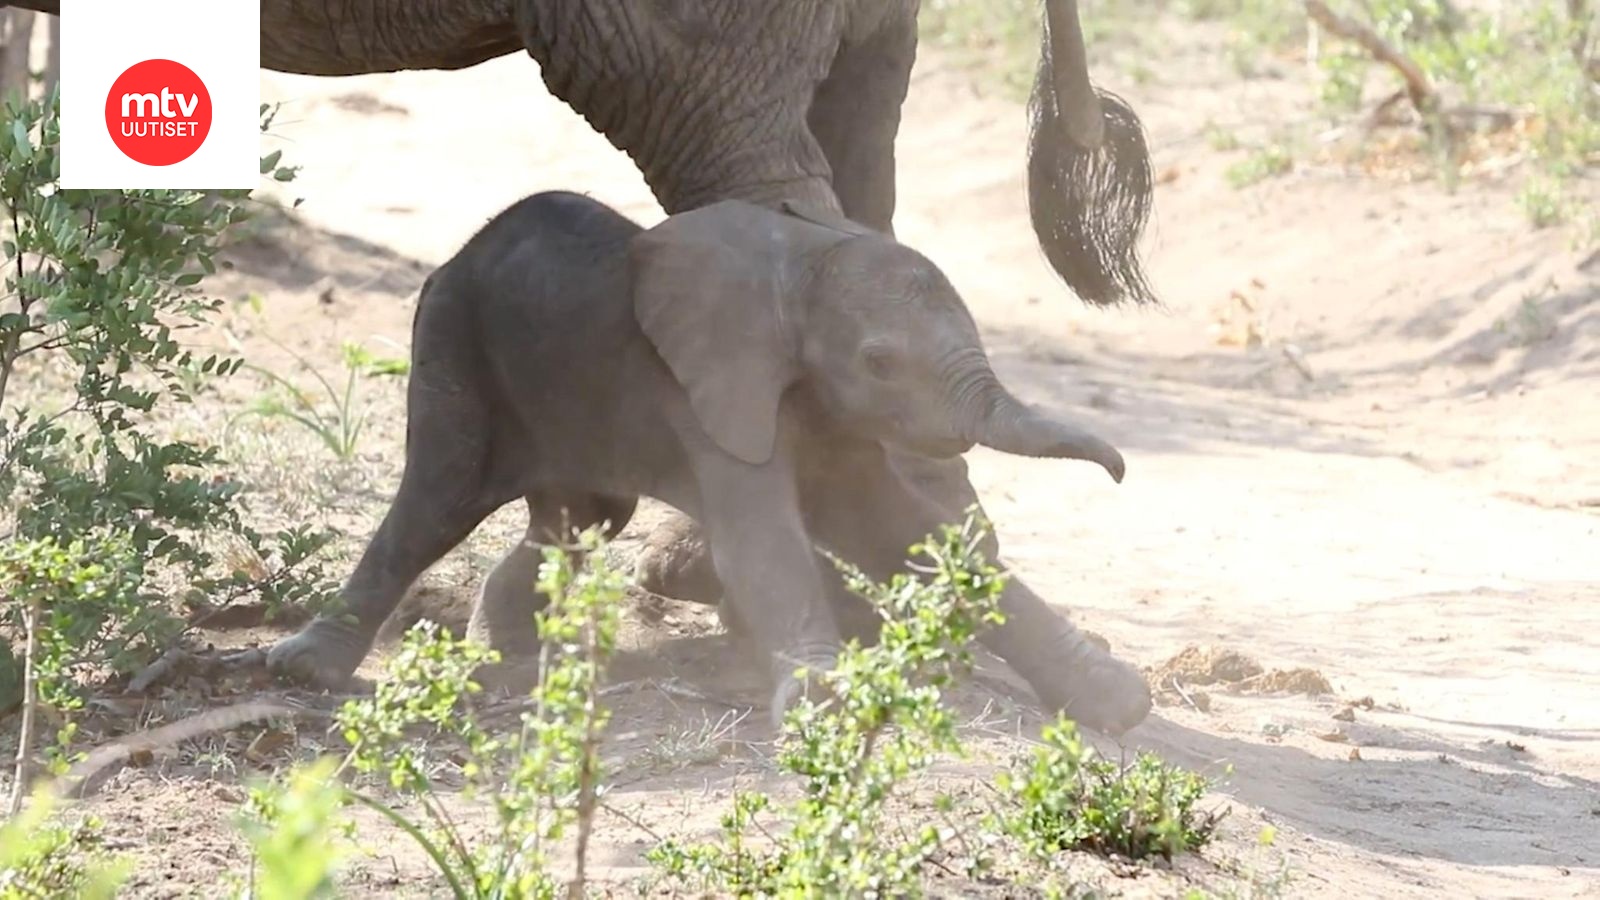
{"x": 1411, "y": 512}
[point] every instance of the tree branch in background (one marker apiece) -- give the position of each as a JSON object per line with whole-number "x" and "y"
{"x": 30, "y": 706}
{"x": 16, "y": 36}
{"x": 1582, "y": 19}
{"x": 1418, "y": 88}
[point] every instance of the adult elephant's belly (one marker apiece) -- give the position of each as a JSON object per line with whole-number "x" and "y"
{"x": 708, "y": 97}
{"x": 356, "y": 37}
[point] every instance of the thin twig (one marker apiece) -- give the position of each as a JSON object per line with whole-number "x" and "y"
{"x": 211, "y": 720}
{"x": 631, "y": 821}
{"x": 30, "y": 705}
{"x": 590, "y": 750}
{"x": 1177, "y": 686}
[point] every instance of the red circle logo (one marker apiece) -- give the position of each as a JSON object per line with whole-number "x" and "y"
{"x": 158, "y": 112}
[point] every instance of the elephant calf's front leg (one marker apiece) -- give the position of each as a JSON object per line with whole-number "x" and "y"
{"x": 765, "y": 562}
{"x": 877, "y": 506}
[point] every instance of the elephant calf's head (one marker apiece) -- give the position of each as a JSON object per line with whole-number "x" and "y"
{"x": 742, "y": 302}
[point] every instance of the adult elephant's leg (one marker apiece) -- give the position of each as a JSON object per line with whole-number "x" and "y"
{"x": 507, "y": 603}
{"x": 877, "y": 508}
{"x": 855, "y": 115}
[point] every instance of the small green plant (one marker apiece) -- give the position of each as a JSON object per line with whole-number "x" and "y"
{"x": 96, "y": 289}
{"x": 1529, "y": 323}
{"x": 90, "y": 610}
{"x": 884, "y": 723}
{"x": 1343, "y": 80}
{"x": 78, "y": 606}
{"x": 340, "y": 426}
{"x": 43, "y": 857}
{"x": 1220, "y": 139}
{"x": 545, "y": 782}
{"x": 1070, "y": 798}
{"x": 1268, "y": 161}
{"x": 686, "y": 747}
{"x": 1542, "y": 202}
{"x": 293, "y": 830}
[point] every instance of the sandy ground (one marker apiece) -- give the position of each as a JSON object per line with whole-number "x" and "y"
{"x": 1396, "y": 488}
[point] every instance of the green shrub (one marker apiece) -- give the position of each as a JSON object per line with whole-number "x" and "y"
{"x": 1070, "y": 798}
{"x": 41, "y": 857}
{"x": 96, "y": 288}
{"x": 885, "y": 723}
{"x": 90, "y": 608}
{"x": 1533, "y": 61}
{"x": 293, "y": 830}
{"x": 544, "y": 781}
{"x": 1268, "y": 161}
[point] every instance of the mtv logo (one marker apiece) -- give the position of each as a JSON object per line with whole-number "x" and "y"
{"x": 160, "y": 94}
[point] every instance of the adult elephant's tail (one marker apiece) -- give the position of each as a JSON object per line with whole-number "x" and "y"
{"x": 1089, "y": 183}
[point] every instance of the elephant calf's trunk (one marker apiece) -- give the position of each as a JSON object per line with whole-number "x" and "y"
{"x": 1001, "y": 422}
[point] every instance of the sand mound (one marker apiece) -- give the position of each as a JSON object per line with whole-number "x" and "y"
{"x": 1292, "y": 681}
{"x": 1207, "y": 665}
{"x": 1230, "y": 669}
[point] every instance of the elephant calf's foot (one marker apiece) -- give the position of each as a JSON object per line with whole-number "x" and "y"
{"x": 323, "y": 654}
{"x": 513, "y": 646}
{"x": 675, "y": 562}
{"x": 514, "y": 640}
{"x": 1100, "y": 692}
{"x": 799, "y": 676}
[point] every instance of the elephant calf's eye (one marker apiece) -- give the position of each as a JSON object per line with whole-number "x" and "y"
{"x": 880, "y": 363}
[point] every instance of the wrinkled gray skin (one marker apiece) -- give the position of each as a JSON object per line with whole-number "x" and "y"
{"x": 761, "y": 100}
{"x": 746, "y": 366}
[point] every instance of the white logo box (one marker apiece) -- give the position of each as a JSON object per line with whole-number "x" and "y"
{"x": 220, "y": 40}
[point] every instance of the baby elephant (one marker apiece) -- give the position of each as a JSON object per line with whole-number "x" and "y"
{"x": 751, "y": 367}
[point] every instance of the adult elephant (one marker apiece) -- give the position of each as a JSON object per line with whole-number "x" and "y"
{"x": 759, "y": 100}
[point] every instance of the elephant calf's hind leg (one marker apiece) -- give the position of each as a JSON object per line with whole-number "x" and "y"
{"x": 444, "y": 494}
{"x": 675, "y": 562}
{"x": 503, "y": 616}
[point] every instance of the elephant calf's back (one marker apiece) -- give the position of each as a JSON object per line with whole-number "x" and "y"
{"x": 546, "y": 279}
{"x": 537, "y": 306}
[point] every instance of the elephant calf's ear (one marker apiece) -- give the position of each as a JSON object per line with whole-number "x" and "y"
{"x": 709, "y": 291}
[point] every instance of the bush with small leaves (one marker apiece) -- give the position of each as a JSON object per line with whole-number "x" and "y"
{"x": 80, "y": 607}
{"x": 96, "y": 288}
{"x": 1070, "y": 798}
{"x": 41, "y": 857}
{"x": 885, "y": 723}
{"x": 293, "y": 829}
{"x": 543, "y": 782}
{"x": 1537, "y": 61}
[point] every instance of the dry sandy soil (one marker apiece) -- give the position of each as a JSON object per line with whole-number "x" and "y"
{"x": 1395, "y": 487}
